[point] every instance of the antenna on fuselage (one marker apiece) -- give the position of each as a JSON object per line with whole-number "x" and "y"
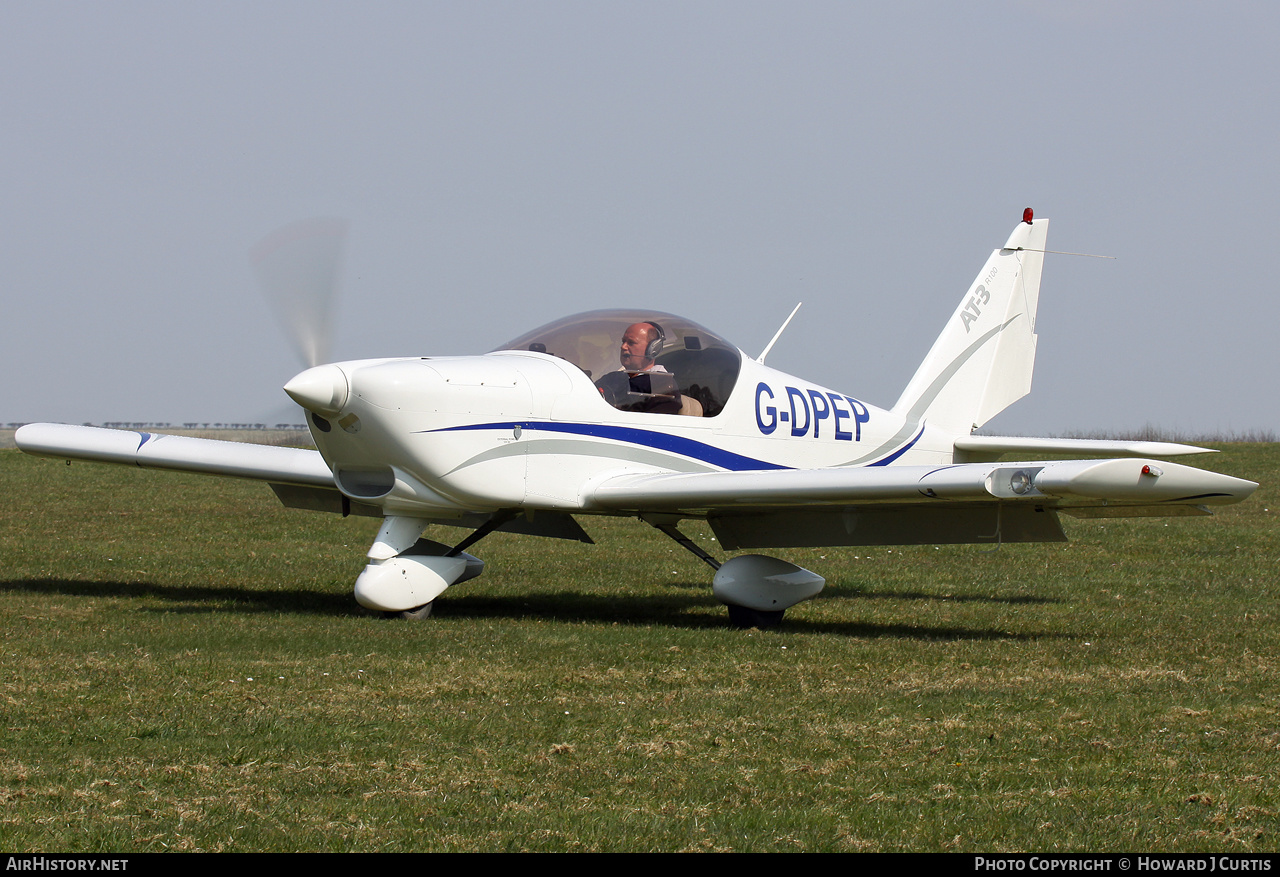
{"x": 778, "y": 334}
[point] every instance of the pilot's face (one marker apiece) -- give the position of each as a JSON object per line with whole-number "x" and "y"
{"x": 634, "y": 343}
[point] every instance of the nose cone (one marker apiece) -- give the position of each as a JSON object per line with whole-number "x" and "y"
{"x": 322, "y": 389}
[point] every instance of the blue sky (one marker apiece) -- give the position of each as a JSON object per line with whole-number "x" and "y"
{"x": 502, "y": 164}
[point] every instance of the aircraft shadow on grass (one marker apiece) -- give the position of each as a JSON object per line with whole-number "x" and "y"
{"x": 563, "y": 606}
{"x": 853, "y": 592}
{"x": 191, "y": 598}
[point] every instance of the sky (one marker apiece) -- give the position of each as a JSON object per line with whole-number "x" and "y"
{"x": 501, "y": 164}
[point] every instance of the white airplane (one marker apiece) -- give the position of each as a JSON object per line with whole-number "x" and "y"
{"x": 649, "y": 415}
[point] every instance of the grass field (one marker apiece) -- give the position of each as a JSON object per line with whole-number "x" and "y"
{"x": 183, "y": 668}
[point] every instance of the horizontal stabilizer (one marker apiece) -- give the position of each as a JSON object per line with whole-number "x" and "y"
{"x": 986, "y": 448}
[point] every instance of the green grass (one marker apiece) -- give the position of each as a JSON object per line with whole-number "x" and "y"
{"x": 183, "y": 667}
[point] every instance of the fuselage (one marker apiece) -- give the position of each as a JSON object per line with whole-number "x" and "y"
{"x": 435, "y": 435}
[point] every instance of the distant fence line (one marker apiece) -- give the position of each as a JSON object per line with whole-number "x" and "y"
{"x": 156, "y": 425}
{"x": 1152, "y": 433}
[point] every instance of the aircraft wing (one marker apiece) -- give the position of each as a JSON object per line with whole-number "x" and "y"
{"x": 299, "y": 477}
{"x": 964, "y": 502}
{"x": 293, "y": 466}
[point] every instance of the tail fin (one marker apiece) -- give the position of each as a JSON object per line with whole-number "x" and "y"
{"x": 982, "y": 362}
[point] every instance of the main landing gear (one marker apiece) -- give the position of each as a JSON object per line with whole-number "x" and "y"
{"x": 406, "y": 573}
{"x": 757, "y": 589}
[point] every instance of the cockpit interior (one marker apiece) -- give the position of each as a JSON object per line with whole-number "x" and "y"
{"x": 695, "y": 369}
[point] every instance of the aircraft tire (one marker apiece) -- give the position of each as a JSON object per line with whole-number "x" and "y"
{"x": 417, "y": 614}
{"x": 760, "y": 619}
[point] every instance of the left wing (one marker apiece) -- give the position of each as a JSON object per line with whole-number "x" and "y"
{"x": 1145, "y": 483}
{"x": 964, "y": 502}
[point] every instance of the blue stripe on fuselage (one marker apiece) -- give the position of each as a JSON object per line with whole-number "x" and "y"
{"x": 659, "y": 440}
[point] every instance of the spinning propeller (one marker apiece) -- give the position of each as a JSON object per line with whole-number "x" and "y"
{"x": 298, "y": 269}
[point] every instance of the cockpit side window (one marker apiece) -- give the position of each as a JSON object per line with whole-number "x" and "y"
{"x": 706, "y": 375}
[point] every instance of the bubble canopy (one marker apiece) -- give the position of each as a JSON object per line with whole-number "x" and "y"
{"x": 705, "y": 366}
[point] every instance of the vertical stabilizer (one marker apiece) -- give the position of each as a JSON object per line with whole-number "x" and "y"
{"x": 982, "y": 361}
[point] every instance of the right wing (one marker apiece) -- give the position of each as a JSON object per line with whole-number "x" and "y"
{"x": 299, "y": 477}
{"x": 150, "y": 450}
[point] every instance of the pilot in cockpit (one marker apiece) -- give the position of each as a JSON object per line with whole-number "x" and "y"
{"x": 642, "y": 384}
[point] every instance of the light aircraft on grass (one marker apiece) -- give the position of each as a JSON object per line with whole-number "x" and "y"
{"x": 548, "y": 427}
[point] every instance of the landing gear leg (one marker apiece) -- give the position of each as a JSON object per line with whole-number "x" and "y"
{"x": 667, "y": 524}
{"x": 499, "y": 518}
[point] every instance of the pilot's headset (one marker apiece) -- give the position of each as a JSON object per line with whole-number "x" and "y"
{"x": 655, "y": 346}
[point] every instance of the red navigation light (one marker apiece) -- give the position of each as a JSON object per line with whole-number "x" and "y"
{"x": 1027, "y": 215}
